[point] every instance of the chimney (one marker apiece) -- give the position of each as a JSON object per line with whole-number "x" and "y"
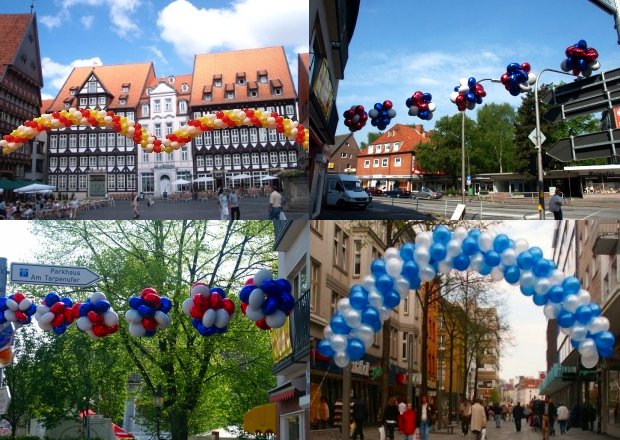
{"x": 420, "y": 128}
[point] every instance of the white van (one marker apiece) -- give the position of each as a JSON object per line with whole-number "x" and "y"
{"x": 344, "y": 190}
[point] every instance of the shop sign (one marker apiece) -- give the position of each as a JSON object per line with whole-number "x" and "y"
{"x": 360, "y": 367}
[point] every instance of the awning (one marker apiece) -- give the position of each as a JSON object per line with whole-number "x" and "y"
{"x": 284, "y": 392}
{"x": 261, "y": 419}
{"x": 120, "y": 432}
{"x": 8, "y": 184}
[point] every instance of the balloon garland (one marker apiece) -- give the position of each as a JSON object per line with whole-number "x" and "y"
{"x": 352, "y": 328}
{"x": 518, "y": 79}
{"x": 420, "y": 105}
{"x": 55, "y": 313}
{"x": 209, "y": 309}
{"x": 467, "y": 94}
{"x": 97, "y": 317}
{"x": 355, "y": 118}
{"x": 266, "y": 301}
{"x": 148, "y": 312}
{"x": 18, "y": 309}
{"x": 580, "y": 59}
{"x": 30, "y": 129}
{"x": 382, "y": 114}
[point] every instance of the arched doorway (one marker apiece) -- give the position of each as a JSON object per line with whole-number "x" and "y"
{"x": 164, "y": 184}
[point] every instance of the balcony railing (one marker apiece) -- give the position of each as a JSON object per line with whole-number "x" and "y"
{"x": 299, "y": 321}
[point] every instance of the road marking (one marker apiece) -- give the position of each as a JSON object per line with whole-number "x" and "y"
{"x": 594, "y": 213}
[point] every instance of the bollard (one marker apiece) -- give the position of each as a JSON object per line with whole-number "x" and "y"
{"x": 215, "y": 435}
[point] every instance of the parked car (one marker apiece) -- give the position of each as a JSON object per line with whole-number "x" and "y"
{"x": 374, "y": 191}
{"x": 397, "y": 192}
{"x": 425, "y": 193}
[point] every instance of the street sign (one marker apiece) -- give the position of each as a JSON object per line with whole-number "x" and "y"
{"x": 532, "y": 137}
{"x": 468, "y": 180}
{"x": 25, "y": 273}
{"x": 458, "y": 212}
{"x": 608, "y": 6}
{"x": 587, "y": 146}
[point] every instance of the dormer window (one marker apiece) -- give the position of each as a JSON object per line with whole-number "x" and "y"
{"x": 262, "y": 76}
{"x": 122, "y": 101}
{"x": 277, "y": 91}
{"x": 230, "y": 91}
{"x": 171, "y": 79}
{"x": 276, "y": 87}
{"x": 230, "y": 95}
{"x": 241, "y": 78}
{"x": 206, "y": 97}
{"x": 253, "y": 93}
{"x": 217, "y": 80}
{"x": 184, "y": 87}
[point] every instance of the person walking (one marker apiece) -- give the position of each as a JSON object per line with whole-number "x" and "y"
{"x": 135, "y": 205}
{"x": 465, "y": 415}
{"x": 563, "y": 414}
{"x": 555, "y": 204}
{"x": 478, "y": 419}
{"x": 548, "y": 414}
{"x": 517, "y": 413}
{"x": 233, "y": 203}
{"x": 75, "y": 204}
{"x": 407, "y": 422}
{"x": 275, "y": 204}
{"x": 360, "y": 414}
{"x": 425, "y": 414}
{"x": 497, "y": 412}
{"x": 324, "y": 413}
{"x": 222, "y": 200}
{"x": 402, "y": 406}
{"x": 390, "y": 418}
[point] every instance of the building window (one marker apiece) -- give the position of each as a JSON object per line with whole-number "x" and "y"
{"x": 262, "y": 134}
{"x": 168, "y": 127}
{"x": 264, "y": 158}
{"x": 227, "y": 160}
{"x": 384, "y": 162}
{"x": 244, "y": 136}
{"x": 63, "y": 142}
{"x": 103, "y": 139}
{"x": 200, "y": 161}
{"x": 102, "y": 102}
{"x": 277, "y": 91}
{"x": 120, "y": 140}
{"x": 230, "y": 95}
{"x": 53, "y": 162}
{"x": 184, "y": 87}
{"x": 253, "y": 93}
{"x": 183, "y": 107}
{"x": 206, "y": 97}
{"x": 82, "y": 182}
{"x": 387, "y": 148}
{"x": 217, "y": 83}
{"x": 405, "y": 346}
{"x": 183, "y": 153}
{"x": 145, "y": 110}
{"x": 396, "y": 146}
{"x": 120, "y": 161}
{"x": 120, "y": 181}
{"x": 234, "y": 135}
{"x": 273, "y": 135}
{"x": 246, "y": 159}
{"x": 72, "y": 140}
{"x": 111, "y": 182}
{"x": 218, "y": 161}
{"x": 130, "y": 161}
{"x": 111, "y": 139}
{"x": 92, "y": 140}
{"x": 62, "y": 182}
{"x": 101, "y": 161}
{"x": 72, "y": 182}
{"x": 406, "y": 306}
{"x": 53, "y": 142}
{"x": 226, "y": 137}
{"x": 63, "y": 162}
{"x": 83, "y": 140}
{"x": 83, "y": 161}
{"x": 83, "y": 102}
{"x": 157, "y": 103}
{"x": 292, "y": 156}
{"x": 253, "y": 135}
{"x": 208, "y": 138}
{"x": 255, "y": 160}
{"x": 168, "y": 104}
{"x": 290, "y": 110}
{"x": 198, "y": 140}
{"x": 92, "y": 102}
{"x": 315, "y": 284}
{"x": 357, "y": 257}
{"x": 111, "y": 161}
{"x": 283, "y": 157}
{"x": 273, "y": 157}
{"x": 367, "y": 164}
{"x": 209, "y": 161}
{"x": 262, "y": 78}
{"x": 73, "y": 161}
{"x": 92, "y": 162}
{"x": 375, "y": 163}
{"x": 371, "y": 149}
{"x": 158, "y": 130}
{"x": 236, "y": 159}
{"x": 379, "y": 147}
{"x": 122, "y": 102}
{"x": 340, "y": 248}
{"x": 397, "y": 161}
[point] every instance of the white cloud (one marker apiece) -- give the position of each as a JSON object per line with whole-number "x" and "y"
{"x": 158, "y": 53}
{"x": 55, "y": 74}
{"x": 47, "y": 96}
{"x": 53, "y": 21}
{"x": 87, "y": 21}
{"x": 245, "y": 24}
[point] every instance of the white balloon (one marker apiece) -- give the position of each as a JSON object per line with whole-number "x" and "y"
{"x": 222, "y": 318}
{"x": 97, "y": 296}
{"x": 587, "y": 348}
{"x": 46, "y": 318}
{"x": 133, "y": 316}
{"x": 343, "y": 305}
{"x": 163, "y": 319}
{"x": 91, "y": 333}
{"x": 276, "y": 319}
{"x": 521, "y": 245}
{"x": 47, "y": 326}
{"x": 590, "y": 361}
{"x": 25, "y": 304}
{"x": 497, "y": 274}
{"x": 353, "y": 318}
{"x": 200, "y": 289}
{"x": 401, "y": 285}
{"x": 110, "y": 318}
{"x": 391, "y": 252}
{"x": 257, "y": 298}
{"x": 570, "y": 303}
{"x": 208, "y": 319}
{"x": 413, "y": 111}
{"x": 459, "y": 234}
{"x": 566, "y": 331}
{"x": 598, "y": 324}
{"x": 385, "y": 313}
{"x": 136, "y": 330}
{"x": 531, "y": 78}
{"x": 453, "y": 96}
{"x": 551, "y": 310}
{"x": 84, "y": 324}
{"x": 9, "y": 315}
{"x": 41, "y": 309}
{"x": 328, "y": 332}
{"x": 365, "y": 333}
{"x": 11, "y": 304}
{"x": 509, "y": 257}
{"x": 338, "y": 342}
{"x": 578, "y": 332}
{"x": 542, "y": 286}
{"x": 527, "y": 279}
{"x": 254, "y": 313}
{"x": 427, "y": 273}
{"x": 368, "y": 282}
{"x": 485, "y": 241}
{"x": 556, "y": 278}
{"x": 423, "y": 239}
{"x": 187, "y": 305}
{"x": 453, "y": 248}
{"x": 584, "y": 297}
{"x": 375, "y": 299}
{"x": 432, "y": 107}
{"x": 476, "y": 262}
{"x": 341, "y": 359}
{"x": 261, "y": 276}
{"x": 393, "y": 266}
{"x": 422, "y": 256}
{"x": 445, "y": 267}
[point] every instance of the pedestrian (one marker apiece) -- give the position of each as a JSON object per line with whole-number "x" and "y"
{"x": 390, "y": 418}
{"x": 517, "y": 413}
{"x": 324, "y": 413}
{"x": 233, "y": 202}
{"x": 465, "y": 415}
{"x": 275, "y": 203}
{"x": 478, "y": 419}
{"x": 548, "y": 414}
{"x": 75, "y": 204}
{"x": 222, "y": 200}
{"x": 591, "y": 413}
{"x": 360, "y": 414}
{"x": 3, "y": 209}
{"x": 402, "y": 406}
{"x": 407, "y": 422}
{"x": 135, "y": 204}
{"x": 497, "y": 412}
{"x": 563, "y": 415}
{"x": 555, "y": 204}
{"x": 425, "y": 414}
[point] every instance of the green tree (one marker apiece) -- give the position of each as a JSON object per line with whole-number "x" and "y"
{"x": 372, "y": 136}
{"x": 492, "y": 147}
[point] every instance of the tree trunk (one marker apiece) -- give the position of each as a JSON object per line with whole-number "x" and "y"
{"x": 451, "y": 397}
{"x": 424, "y": 364}
{"x": 178, "y": 424}
{"x": 385, "y": 363}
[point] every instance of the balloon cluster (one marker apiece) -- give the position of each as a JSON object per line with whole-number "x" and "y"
{"x": 209, "y": 309}
{"x": 420, "y": 105}
{"x": 17, "y": 308}
{"x": 517, "y": 78}
{"x": 148, "y": 312}
{"x": 96, "y": 316}
{"x": 580, "y": 59}
{"x": 382, "y": 114}
{"x": 467, "y": 94}
{"x": 6, "y": 342}
{"x": 355, "y": 118}
{"x": 352, "y": 328}
{"x": 55, "y": 313}
{"x": 266, "y": 301}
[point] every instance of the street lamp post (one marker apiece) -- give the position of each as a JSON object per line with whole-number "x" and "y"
{"x": 158, "y": 401}
{"x": 441, "y": 350}
{"x": 540, "y": 184}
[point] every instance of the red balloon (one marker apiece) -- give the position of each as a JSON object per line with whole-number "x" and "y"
{"x": 197, "y": 299}
{"x": 251, "y": 279}
{"x": 359, "y": 109}
{"x": 526, "y": 67}
{"x": 460, "y": 100}
{"x": 94, "y": 317}
{"x": 504, "y": 79}
{"x": 100, "y": 330}
{"x": 591, "y": 54}
{"x": 21, "y": 316}
{"x": 113, "y": 329}
{"x": 196, "y": 312}
{"x": 262, "y": 324}
{"x": 215, "y": 301}
{"x": 243, "y": 307}
{"x": 18, "y": 297}
{"x": 149, "y": 323}
{"x": 58, "y": 320}
{"x": 147, "y": 291}
{"x": 153, "y": 300}
{"x": 69, "y": 316}
{"x": 228, "y": 305}
{"x": 387, "y": 104}
{"x": 76, "y": 310}
{"x": 57, "y": 308}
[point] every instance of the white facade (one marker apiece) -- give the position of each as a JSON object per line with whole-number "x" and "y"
{"x": 162, "y": 115}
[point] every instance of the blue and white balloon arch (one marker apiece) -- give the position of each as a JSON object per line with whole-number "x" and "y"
{"x": 352, "y": 328}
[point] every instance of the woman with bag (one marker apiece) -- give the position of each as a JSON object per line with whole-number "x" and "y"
{"x": 390, "y": 418}
{"x": 407, "y": 422}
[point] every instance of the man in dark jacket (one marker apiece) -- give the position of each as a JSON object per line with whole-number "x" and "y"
{"x": 549, "y": 414}
{"x": 517, "y": 413}
{"x": 360, "y": 414}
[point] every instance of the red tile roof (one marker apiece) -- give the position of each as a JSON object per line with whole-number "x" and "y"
{"x": 12, "y": 30}
{"x": 112, "y": 79}
{"x": 409, "y": 138}
{"x": 45, "y": 104}
{"x": 271, "y": 60}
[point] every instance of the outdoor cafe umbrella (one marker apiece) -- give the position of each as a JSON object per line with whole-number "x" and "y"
{"x": 204, "y": 179}
{"x": 269, "y": 178}
{"x": 241, "y": 176}
{"x": 181, "y": 182}
{"x": 35, "y": 188}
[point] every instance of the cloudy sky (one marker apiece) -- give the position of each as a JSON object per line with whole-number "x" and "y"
{"x": 166, "y": 32}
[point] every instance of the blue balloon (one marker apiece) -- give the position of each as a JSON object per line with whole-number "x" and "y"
{"x": 101, "y": 306}
{"x": 474, "y": 233}
{"x": 32, "y": 309}
{"x": 569, "y": 63}
{"x": 423, "y": 114}
{"x": 371, "y": 317}
{"x": 438, "y": 251}
{"x": 492, "y": 258}
{"x": 218, "y": 290}
{"x": 556, "y": 294}
{"x": 286, "y": 302}
{"x": 536, "y": 252}
{"x": 408, "y": 102}
{"x": 571, "y": 285}
{"x": 358, "y": 297}
{"x": 595, "y": 309}
{"x": 339, "y": 325}
{"x": 470, "y": 96}
{"x": 470, "y": 246}
{"x": 2, "y": 321}
{"x": 60, "y": 329}
{"x": 583, "y": 64}
{"x": 51, "y": 299}
{"x": 87, "y": 307}
{"x": 605, "y": 352}
{"x": 485, "y": 269}
{"x": 270, "y": 305}
{"x": 539, "y": 300}
{"x": 146, "y": 311}
{"x": 325, "y": 348}
{"x": 355, "y": 349}
{"x": 583, "y": 314}
{"x": 575, "y": 344}
{"x": 478, "y": 99}
{"x": 3, "y": 303}
{"x": 566, "y": 319}
{"x": 67, "y": 302}
{"x": 195, "y": 322}
{"x": 525, "y": 260}
{"x": 166, "y": 305}
{"x": 471, "y": 82}
{"x": 377, "y": 267}
{"x": 414, "y": 282}
{"x": 150, "y": 333}
{"x": 604, "y": 339}
{"x": 269, "y": 287}
{"x": 581, "y": 44}
{"x": 391, "y": 300}
{"x": 221, "y": 330}
{"x": 427, "y": 97}
{"x": 527, "y": 291}
{"x": 460, "y": 262}
{"x": 284, "y": 285}
{"x": 501, "y": 243}
{"x": 379, "y": 106}
{"x": 406, "y": 251}
{"x": 512, "y": 274}
{"x": 542, "y": 268}
{"x": 442, "y": 234}
{"x": 201, "y": 329}
{"x": 384, "y": 284}
{"x": 135, "y": 302}
{"x": 244, "y": 294}
{"x": 410, "y": 270}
